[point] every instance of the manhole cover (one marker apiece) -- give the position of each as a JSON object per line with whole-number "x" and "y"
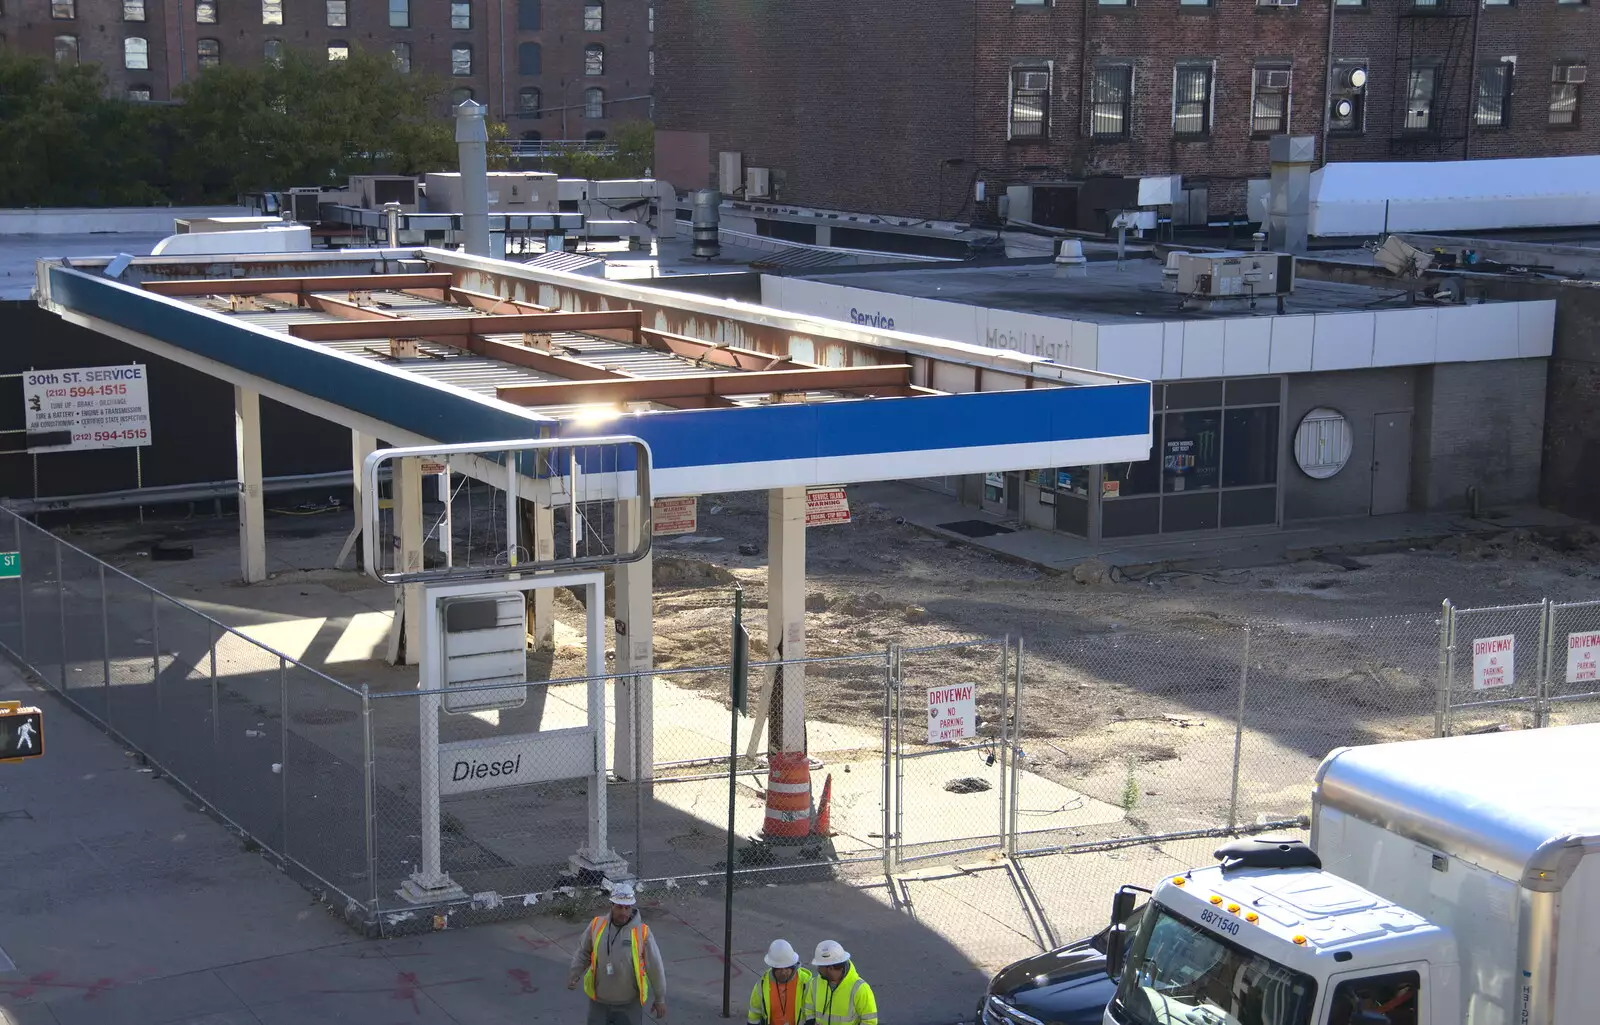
{"x": 968, "y": 785}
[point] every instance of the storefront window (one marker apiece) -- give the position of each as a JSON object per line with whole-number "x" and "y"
{"x": 1191, "y": 451}
{"x": 1124, "y": 479}
{"x": 1250, "y": 447}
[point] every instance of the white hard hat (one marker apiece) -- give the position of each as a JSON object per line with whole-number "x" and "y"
{"x": 622, "y": 893}
{"x": 829, "y": 952}
{"x": 781, "y": 955}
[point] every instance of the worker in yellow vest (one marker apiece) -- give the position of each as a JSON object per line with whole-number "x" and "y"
{"x": 839, "y": 996}
{"x": 779, "y": 996}
{"x": 619, "y": 964}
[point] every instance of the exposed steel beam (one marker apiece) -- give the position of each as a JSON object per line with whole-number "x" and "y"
{"x": 483, "y": 302}
{"x": 442, "y": 327}
{"x": 720, "y": 355}
{"x": 329, "y": 283}
{"x": 885, "y": 380}
{"x": 347, "y": 310}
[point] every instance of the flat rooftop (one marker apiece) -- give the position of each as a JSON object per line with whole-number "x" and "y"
{"x": 20, "y": 254}
{"x": 1102, "y": 294}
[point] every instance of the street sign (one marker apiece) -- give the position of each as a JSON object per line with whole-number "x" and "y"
{"x": 952, "y": 713}
{"x": 10, "y": 565}
{"x": 21, "y": 732}
{"x": 89, "y": 407}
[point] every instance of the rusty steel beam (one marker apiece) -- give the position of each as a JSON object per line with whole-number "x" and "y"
{"x": 461, "y": 327}
{"x": 483, "y": 302}
{"x": 721, "y": 355}
{"x": 535, "y": 359}
{"x": 886, "y": 380}
{"x": 346, "y": 310}
{"x": 330, "y": 283}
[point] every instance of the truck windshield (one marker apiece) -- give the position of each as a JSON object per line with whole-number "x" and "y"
{"x": 1180, "y": 973}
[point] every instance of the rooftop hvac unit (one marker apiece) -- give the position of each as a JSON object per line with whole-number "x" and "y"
{"x": 1034, "y": 81}
{"x": 373, "y": 191}
{"x": 1234, "y": 275}
{"x": 302, "y": 205}
{"x": 1276, "y": 79}
{"x": 1572, "y": 74}
{"x": 730, "y": 172}
{"x": 757, "y": 182}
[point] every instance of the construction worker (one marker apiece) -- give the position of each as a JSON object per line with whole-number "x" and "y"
{"x": 619, "y": 978}
{"x": 838, "y": 995}
{"x": 779, "y": 996}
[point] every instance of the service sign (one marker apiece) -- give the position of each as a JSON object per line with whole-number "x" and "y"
{"x": 91, "y": 407}
{"x": 1493, "y": 659}
{"x": 952, "y": 713}
{"x": 674, "y": 515}
{"x": 827, "y": 505}
{"x": 1583, "y": 657}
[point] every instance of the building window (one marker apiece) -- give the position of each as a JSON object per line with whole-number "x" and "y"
{"x": 205, "y": 12}
{"x": 1191, "y": 100}
{"x": 594, "y": 59}
{"x": 650, "y": 60}
{"x": 1110, "y": 98}
{"x": 402, "y": 57}
{"x": 461, "y": 59}
{"x": 1574, "y": 3}
{"x": 272, "y": 51}
{"x": 1421, "y": 84}
{"x": 650, "y": 18}
{"x": 533, "y": 135}
{"x": 338, "y": 13}
{"x": 1493, "y": 101}
{"x": 1269, "y": 110}
{"x": 1030, "y": 103}
{"x": 139, "y": 93}
{"x": 1197, "y": 3}
{"x": 399, "y": 13}
{"x": 1114, "y": 3}
{"x": 63, "y": 10}
{"x": 529, "y": 58}
{"x": 461, "y": 16}
{"x": 132, "y": 10}
{"x": 1566, "y": 86}
{"x": 460, "y": 96}
{"x": 594, "y": 103}
{"x": 594, "y": 16}
{"x": 272, "y": 12}
{"x": 66, "y": 49}
{"x": 1350, "y": 3}
{"x": 1030, "y": 3}
{"x": 1349, "y": 99}
{"x": 529, "y": 15}
{"x": 338, "y": 50}
{"x": 208, "y": 52}
{"x": 529, "y": 102}
{"x": 594, "y": 135}
{"x": 136, "y": 53}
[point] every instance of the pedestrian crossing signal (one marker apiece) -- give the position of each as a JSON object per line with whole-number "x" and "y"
{"x": 21, "y": 732}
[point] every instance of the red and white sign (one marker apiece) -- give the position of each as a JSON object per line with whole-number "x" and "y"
{"x": 952, "y": 713}
{"x": 1583, "y": 657}
{"x": 675, "y": 515}
{"x": 1493, "y": 659}
{"x": 432, "y": 467}
{"x": 826, "y": 505}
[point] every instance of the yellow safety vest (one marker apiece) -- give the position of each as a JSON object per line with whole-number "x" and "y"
{"x": 849, "y": 1003}
{"x": 639, "y": 934}
{"x": 765, "y": 996}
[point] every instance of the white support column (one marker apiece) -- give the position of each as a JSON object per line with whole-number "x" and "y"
{"x": 786, "y": 613}
{"x": 405, "y": 633}
{"x": 544, "y": 599}
{"x": 361, "y": 446}
{"x": 252, "y": 514}
{"x": 635, "y": 653}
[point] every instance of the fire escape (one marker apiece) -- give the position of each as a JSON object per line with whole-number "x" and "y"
{"x": 1434, "y": 36}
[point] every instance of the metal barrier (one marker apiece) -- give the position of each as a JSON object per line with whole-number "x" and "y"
{"x": 1537, "y": 663}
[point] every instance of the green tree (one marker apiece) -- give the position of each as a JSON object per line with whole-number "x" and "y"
{"x": 305, "y": 120}
{"x": 636, "y": 153}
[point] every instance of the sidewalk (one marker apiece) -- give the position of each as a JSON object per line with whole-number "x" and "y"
{"x": 1202, "y": 551}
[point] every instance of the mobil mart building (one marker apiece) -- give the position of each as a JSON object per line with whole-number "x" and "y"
{"x": 1277, "y": 399}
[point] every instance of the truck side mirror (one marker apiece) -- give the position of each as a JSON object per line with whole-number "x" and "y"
{"x": 1122, "y": 908}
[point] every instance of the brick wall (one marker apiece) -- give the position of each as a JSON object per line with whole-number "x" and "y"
{"x": 853, "y": 105}
{"x": 1485, "y": 424}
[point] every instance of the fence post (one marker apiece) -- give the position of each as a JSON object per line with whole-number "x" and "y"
{"x": 1006, "y": 844}
{"x": 22, "y": 592}
{"x": 1016, "y": 738}
{"x": 155, "y": 670}
{"x": 1547, "y": 652}
{"x": 639, "y": 767}
{"x": 1238, "y": 730}
{"x": 888, "y": 758}
{"x": 215, "y": 637}
{"x": 899, "y": 754}
{"x": 283, "y": 749}
{"x": 1447, "y": 667}
{"x": 367, "y": 797}
{"x": 105, "y": 641}
{"x": 61, "y": 612}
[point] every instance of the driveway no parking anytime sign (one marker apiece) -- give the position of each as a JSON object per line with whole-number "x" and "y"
{"x": 952, "y": 712}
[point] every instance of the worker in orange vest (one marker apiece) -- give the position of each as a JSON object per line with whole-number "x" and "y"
{"x": 619, "y": 964}
{"x": 780, "y": 994}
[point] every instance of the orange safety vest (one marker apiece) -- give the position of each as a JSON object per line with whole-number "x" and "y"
{"x": 640, "y": 936}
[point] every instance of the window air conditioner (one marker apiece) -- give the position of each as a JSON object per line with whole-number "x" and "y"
{"x": 1572, "y": 74}
{"x": 1272, "y": 79}
{"x": 757, "y": 183}
{"x": 1277, "y": 3}
{"x": 1034, "y": 81}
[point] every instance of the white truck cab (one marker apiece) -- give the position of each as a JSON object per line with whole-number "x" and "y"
{"x": 1448, "y": 882}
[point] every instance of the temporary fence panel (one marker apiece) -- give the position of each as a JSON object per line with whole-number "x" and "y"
{"x": 1573, "y": 666}
{"x": 1495, "y": 665}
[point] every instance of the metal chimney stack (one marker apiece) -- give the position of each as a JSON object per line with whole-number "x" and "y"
{"x": 706, "y": 216}
{"x": 1289, "y": 195}
{"x": 472, "y": 143}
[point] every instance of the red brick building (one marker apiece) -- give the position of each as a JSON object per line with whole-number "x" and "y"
{"x": 553, "y": 69}
{"x": 898, "y": 108}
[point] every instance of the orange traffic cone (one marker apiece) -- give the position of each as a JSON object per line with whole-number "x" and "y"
{"x": 788, "y": 799}
{"x": 819, "y": 825}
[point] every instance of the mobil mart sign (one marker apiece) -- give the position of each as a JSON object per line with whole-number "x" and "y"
{"x": 1493, "y": 661}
